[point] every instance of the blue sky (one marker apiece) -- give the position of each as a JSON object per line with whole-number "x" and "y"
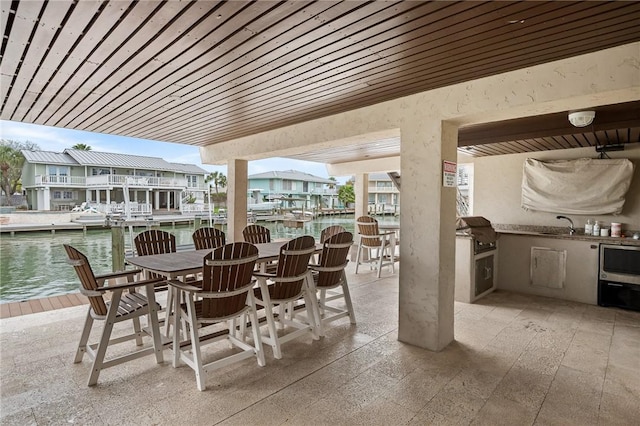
{"x": 58, "y": 139}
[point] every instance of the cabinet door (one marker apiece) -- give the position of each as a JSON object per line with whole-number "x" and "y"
{"x": 548, "y": 267}
{"x": 484, "y": 275}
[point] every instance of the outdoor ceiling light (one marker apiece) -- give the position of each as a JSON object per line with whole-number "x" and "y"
{"x": 581, "y": 118}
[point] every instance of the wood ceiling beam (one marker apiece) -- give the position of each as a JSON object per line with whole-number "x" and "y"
{"x": 626, "y": 115}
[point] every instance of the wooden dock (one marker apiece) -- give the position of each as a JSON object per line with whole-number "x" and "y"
{"x": 33, "y": 306}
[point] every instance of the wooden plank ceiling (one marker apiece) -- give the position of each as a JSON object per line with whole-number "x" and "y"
{"x": 204, "y": 72}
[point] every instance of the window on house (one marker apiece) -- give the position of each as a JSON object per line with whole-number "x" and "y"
{"x": 64, "y": 195}
{"x": 192, "y": 181}
{"x": 98, "y": 172}
{"x": 272, "y": 185}
{"x": 384, "y": 184}
{"x": 287, "y": 185}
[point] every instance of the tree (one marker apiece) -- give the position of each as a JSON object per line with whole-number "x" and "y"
{"x": 218, "y": 178}
{"x": 81, "y": 147}
{"x": 346, "y": 194}
{"x": 11, "y": 162}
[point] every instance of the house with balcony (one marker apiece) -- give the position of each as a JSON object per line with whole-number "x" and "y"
{"x": 63, "y": 181}
{"x": 384, "y": 196}
{"x": 292, "y": 189}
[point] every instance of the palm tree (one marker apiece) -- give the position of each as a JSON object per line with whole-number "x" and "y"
{"x": 81, "y": 147}
{"x": 333, "y": 183}
{"x": 218, "y": 179}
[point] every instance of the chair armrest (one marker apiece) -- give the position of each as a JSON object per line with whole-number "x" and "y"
{"x": 318, "y": 268}
{"x": 382, "y": 234}
{"x": 126, "y": 273}
{"x": 184, "y": 286}
{"x": 133, "y": 284}
{"x": 263, "y": 275}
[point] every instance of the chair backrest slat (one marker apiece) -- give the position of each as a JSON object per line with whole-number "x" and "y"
{"x": 330, "y": 231}
{"x": 256, "y": 234}
{"x": 334, "y": 254}
{"x": 368, "y": 230}
{"x": 293, "y": 261}
{"x": 87, "y": 278}
{"x": 208, "y": 238}
{"x": 227, "y": 277}
{"x": 155, "y": 241}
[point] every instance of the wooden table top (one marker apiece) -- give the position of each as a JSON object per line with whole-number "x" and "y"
{"x": 181, "y": 263}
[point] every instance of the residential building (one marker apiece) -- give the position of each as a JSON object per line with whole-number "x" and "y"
{"x": 292, "y": 189}
{"x": 384, "y": 196}
{"x": 61, "y": 181}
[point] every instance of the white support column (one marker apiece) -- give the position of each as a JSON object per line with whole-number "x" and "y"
{"x": 108, "y": 196}
{"x": 168, "y": 194}
{"x": 87, "y": 195}
{"x": 236, "y": 199}
{"x": 156, "y": 200}
{"x": 428, "y": 251}
{"x": 361, "y": 189}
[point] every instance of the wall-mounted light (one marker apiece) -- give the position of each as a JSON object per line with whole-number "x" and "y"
{"x": 581, "y": 118}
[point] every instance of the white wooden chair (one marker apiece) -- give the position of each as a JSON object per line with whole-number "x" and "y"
{"x": 291, "y": 282}
{"x": 122, "y": 307}
{"x": 373, "y": 241}
{"x": 224, "y": 295}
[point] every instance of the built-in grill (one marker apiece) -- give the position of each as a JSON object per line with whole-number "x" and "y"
{"x": 480, "y": 229}
{"x": 476, "y": 258}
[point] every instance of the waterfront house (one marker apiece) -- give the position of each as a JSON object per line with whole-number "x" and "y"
{"x": 292, "y": 189}
{"x": 66, "y": 180}
{"x": 384, "y": 196}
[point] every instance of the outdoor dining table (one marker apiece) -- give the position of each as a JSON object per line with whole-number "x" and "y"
{"x": 187, "y": 262}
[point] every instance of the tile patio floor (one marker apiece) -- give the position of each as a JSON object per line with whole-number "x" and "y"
{"x": 517, "y": 360}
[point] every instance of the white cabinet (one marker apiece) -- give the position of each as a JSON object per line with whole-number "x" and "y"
{"x": 548, "y": 267}
{"x": 518, "y": 272}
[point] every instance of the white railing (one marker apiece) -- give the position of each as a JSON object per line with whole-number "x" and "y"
{"x": 135, "y": 209}
{"x": 60, "y": 180}
{"x": 195, "y": 208}
{"x": 384, "y": 190}
{"x": 324, "y": 191}
{"x": 136, "y": 181}
{"x": 119, "y": 181}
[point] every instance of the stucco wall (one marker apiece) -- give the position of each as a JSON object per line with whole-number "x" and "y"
{"x": 498, "y": 188}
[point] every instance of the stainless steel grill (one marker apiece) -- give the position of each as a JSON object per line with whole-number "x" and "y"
{"x": 480, "y": 229}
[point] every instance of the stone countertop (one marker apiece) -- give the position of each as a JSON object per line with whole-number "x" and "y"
{"x": 563, "y": 233}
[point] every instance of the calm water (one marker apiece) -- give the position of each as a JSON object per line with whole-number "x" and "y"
{"x": 33, "y": 264}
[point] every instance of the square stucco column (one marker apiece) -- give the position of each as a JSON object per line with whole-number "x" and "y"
{"x": 427, "y": 246}
{"x": 236, "y": 199}
{"x": 361, "y": 190}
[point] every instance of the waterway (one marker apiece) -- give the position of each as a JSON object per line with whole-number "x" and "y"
{"x": 34, "y": 264}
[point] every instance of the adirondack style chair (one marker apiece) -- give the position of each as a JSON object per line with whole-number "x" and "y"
{"x": 125, "y": 304}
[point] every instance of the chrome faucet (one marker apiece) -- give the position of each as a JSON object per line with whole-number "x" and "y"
{"x": 572, "y": 230}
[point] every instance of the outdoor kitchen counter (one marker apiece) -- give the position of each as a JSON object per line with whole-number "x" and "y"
{"x": 564, "y": 235}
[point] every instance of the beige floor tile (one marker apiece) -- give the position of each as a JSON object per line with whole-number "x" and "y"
{"x": 573, "y": 396}
{"x": 525, "y": 387}
{"x": 517, "y": 359}
{"x": 499, "y": 411}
